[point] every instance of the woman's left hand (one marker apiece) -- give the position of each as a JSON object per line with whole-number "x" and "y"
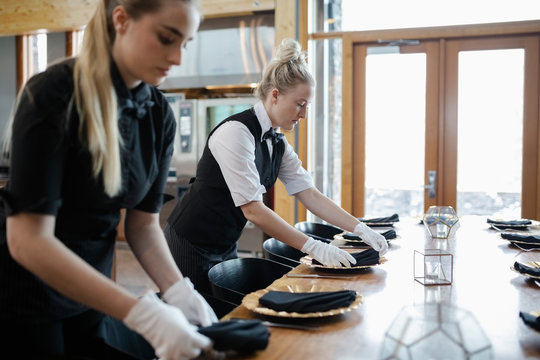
{"x": 183, "y": 295}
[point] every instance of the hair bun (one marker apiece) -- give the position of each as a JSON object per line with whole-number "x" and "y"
{"x": 287, "y": 69}
{"x": 290, "y": 51}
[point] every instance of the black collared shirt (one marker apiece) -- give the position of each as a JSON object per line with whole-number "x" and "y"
{"x": 51, "y": 173}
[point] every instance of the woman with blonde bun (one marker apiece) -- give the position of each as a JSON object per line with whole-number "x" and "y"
{"x": 244, "y": 156}
{"x": 91, "y": 135}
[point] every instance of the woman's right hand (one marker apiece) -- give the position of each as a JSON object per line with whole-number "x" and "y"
{"x": 327, "y": 254}
{"x": 166, "y": 328}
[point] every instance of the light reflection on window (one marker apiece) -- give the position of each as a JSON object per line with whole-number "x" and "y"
{"x": 38, "y": 53}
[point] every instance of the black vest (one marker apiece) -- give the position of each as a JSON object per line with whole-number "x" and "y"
{"x": 206, "y": 215}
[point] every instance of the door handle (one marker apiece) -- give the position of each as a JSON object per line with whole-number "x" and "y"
{"x": 432, "y": 184}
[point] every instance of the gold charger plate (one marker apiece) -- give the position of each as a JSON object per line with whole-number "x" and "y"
{"x": 517, "y": 227}
{"x": 308, "y": 261}
{"x": 520, "y": 241}
{"x": 251, "y": 302}
{"x": 533, "y": 264}
{"x": 502, "y": 227}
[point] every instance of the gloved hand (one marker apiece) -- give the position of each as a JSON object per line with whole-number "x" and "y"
{"x": 166, "y": 329}
{"x": 371, "y": 237}
{"x": 328, "y": 255}
{"x": 183, "y": 295}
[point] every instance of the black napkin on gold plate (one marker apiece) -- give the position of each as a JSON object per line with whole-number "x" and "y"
{"x": 526, "y": 269}
{"x": 530, "y": 320}
{"x": 388, "y": 235}
{"x": 509, "y": 222}
{"x": 363, "y": 258}
{"x": 388, "y": 219}
{"x": 307, "y": 302}
{"x": 242, "y": 336}
{"x": 532, "y": 239}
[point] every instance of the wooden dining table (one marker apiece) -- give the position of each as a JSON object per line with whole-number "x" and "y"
{"x": 483, "y": 285}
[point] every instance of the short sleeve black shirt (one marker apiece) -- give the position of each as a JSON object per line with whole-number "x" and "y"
{"x": 51, "y": 173}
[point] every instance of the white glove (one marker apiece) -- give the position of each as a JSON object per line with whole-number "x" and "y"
{"x": 183, "y": 295}
{"x": 327, "y": 254}
{"x": 166, "y": 329}
{"x": 371, "y": 237}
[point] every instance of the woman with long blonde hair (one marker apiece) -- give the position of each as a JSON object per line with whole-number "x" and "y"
{"x": 92, "y": 135}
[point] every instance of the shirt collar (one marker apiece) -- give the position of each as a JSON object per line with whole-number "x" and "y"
{"x": 263, "y": 118}
{"x": 136, "y": 100}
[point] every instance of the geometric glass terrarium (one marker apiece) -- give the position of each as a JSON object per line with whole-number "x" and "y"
{"x": 433, "y": 267}
{"x": 435, "y": 331}
{"x": 442, "y": 222}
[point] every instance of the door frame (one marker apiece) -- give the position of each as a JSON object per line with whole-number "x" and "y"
{"x": 352, "y": 188}
{"x": 530, "y": 157}
{"x": 358, "y": 155}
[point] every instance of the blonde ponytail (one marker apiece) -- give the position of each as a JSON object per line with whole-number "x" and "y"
{"x": 96, "y": 103}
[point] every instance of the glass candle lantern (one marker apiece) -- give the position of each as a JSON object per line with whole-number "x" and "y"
{"x": 442, "y": 222}
{"x": 435, "y": 331}
{"x": 433, "y": 267}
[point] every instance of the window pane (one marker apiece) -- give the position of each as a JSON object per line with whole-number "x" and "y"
{"x": 324, "y": 124}
{"x": 490, "y": 132}
{"x": 356, "y": 15}
{"x": 8, "y": 86}
{"x": 56, "y": 47}
{"x": 395, "y": 132}
{"x": 38, "y": 53}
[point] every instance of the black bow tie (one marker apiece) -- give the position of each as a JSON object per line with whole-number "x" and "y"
{"x": 271, "y": 134}
{"x": 136, "y": 108}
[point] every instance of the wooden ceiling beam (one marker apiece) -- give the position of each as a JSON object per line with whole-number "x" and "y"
{"x": 23, "y": 17}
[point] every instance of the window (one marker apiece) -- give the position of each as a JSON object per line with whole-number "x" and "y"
{"x": 355, "y": 15}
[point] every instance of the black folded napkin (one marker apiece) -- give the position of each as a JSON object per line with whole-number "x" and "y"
{"x": 525, "y": 269}
{"x": 367, "y": 257}
{"x": 242, "y": 336}
{"x": 509, "y": 222}
{"x": 530, "y": 320}
{"x": 391, "y": 218}
{"x": 518, "y": 237}
{"x": 363, "y": 258}
{"x": 388, "y": 234}
{"x": 307, "y": 302}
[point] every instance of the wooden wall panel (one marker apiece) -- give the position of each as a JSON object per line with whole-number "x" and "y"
{"x": 347, "y": 153}
{"x": 357, "y": 159}
{"x": 302, "y": 130}
{"x": 285, "y": 26}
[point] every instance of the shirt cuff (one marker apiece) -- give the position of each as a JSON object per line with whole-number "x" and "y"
{"x": 240, "y": 200}
{"x": 295, "y": 187}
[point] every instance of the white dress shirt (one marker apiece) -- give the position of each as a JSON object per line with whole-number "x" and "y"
{"x": 233, "y": 147}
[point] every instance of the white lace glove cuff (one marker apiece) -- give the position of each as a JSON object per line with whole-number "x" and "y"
{"x": 328, "y": 255}
{"x": 371, "y": 237}
{"x": 183, "y": 295}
